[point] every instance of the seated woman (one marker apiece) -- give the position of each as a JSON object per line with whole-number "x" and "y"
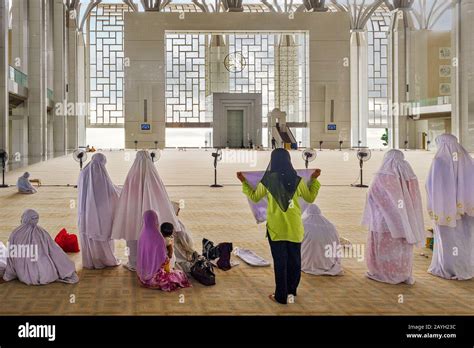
{"x": 394, "y": 217}
{"x": 152, "y": 261}
{"x": 319, "y": 236}
{"x": 44, "y": 262}
{"x": 183, "y": 244}
{"x": 3, "y": 259}
{"x": 23, "y": 184}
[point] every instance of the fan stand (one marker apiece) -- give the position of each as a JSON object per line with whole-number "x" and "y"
{"x": 3, "y": 185}
{"x": 215, "y": 177}
{"x": 215, "y": 173}
{"x": 361, "y": 185}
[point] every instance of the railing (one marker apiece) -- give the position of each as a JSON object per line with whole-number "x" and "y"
{"x": 16, "y": 75}
{"x": 432, "y": 101}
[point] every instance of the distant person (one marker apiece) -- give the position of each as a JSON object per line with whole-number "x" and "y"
{"x": 250, "y": 144}
{"x": 274, "y": 143}
{"x": 394, "y": 217}
{"x": 319, "y": 235}
{"x": 450, "y": 187}
{"x": 44, "y": 262}
{"x": 282, "y": 187}
{"x": 24, "y": 185}
{"x": 143, "y": 190}
{"x": 97, "y": 201}
{"x": 152, "y": 269}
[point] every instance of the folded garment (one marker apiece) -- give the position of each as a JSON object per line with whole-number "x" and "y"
{"x": 68, "y": 242}
{"x": 249, "y": 257}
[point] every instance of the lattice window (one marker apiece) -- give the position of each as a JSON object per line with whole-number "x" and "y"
{"x": 185, "y": 77}
{"x": 259, "y": 75}
{"x": 186, "y": 68}
{"x": 106, "y": 28}
{"x": 377, "y": 38}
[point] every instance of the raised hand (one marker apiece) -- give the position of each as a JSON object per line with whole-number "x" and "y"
{"x": 240, "y": 176}
{"x": 316, "y": 174}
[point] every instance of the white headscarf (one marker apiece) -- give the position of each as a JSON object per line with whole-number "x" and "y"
{"x": 450, "y": 183}
{"x": 143, "y": 190}
{"x": 394, "y": 201}
{"x": 24, "y": 185}
{"x": 97, "y": 200}
{"x": 51, "y": 264}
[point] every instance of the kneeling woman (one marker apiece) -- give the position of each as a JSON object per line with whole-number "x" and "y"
{"x": 44, "y": 263}
{"x": 394, "y": 216}
{"x": 153, "y": 262}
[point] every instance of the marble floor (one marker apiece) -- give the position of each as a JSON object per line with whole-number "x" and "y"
{"x": 223, "y": 215}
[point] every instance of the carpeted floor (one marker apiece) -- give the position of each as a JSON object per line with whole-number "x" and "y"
{"x": 223, "y": 215}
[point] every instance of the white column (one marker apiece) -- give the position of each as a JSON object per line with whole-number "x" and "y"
{"x": 4, "y": 110}
{"x": 72, "y": 136}
{"x": 359, "y": 88}
{"x": 59, "y": 46}
{"x": 399, "y": 63}
{"x": 37, "y": 81}
{"x": 463, "y": 81}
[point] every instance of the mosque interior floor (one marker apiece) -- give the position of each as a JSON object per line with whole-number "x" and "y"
{"x": 223, "y": 215}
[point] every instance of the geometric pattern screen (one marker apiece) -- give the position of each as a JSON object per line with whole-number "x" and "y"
{"x": 186, "y": 72}
{"x": 377, "y": 31}
{"x": 106, "y": 29}
{"x": 185, "y": 77}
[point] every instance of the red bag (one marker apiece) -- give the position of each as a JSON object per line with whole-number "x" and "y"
{"x": 67, "y": 242}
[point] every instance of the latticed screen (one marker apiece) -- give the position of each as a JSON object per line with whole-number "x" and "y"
{"x": 185, "y": 77}
{"x": 186, "y": 72}
{"x": 106, "y": 29}
{"x": 377, "y": 31}
{"x": 259, "y": 75}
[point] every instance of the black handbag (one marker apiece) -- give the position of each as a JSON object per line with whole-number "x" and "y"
{"x": 202, "y": 270}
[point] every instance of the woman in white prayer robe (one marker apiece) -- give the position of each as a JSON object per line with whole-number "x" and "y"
{"x": 183, "y": 244}
{"x": 319, "y": 250}
{"x": 394, "y": 217}
{"x": 38, "y": 259}
{"x": 143, "y": 190}
{"x": 24, "y": 185}
{"x": 450, "y": 187}
{"x": 97, "y": 201}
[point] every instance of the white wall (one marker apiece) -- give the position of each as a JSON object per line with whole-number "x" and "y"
{"x": 144, "y": 47}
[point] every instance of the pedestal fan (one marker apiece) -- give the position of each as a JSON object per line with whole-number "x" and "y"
{"x": 155, "y": 155}
{"x": 3, "y": 163}
{"x": 363, "y": 154}
{"x": 217, "y": 158}
{"x": 80, "y": 156}
{"x": 309, "y": 155}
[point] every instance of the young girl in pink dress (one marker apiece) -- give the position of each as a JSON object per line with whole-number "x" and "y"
{"x": 153, "y": 264}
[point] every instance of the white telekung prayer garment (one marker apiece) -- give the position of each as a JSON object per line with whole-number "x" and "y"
{"x": 49, "y": 262}
{"x": 97, "y": 201}
{"x": 450, "y": 187}
{"x": 318, "y": 256}
{"x": 143, "y": 190}
{"x": 394, "y": 216}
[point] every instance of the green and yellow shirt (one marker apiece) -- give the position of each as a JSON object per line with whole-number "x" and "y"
{"x": 284, "y": 225}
